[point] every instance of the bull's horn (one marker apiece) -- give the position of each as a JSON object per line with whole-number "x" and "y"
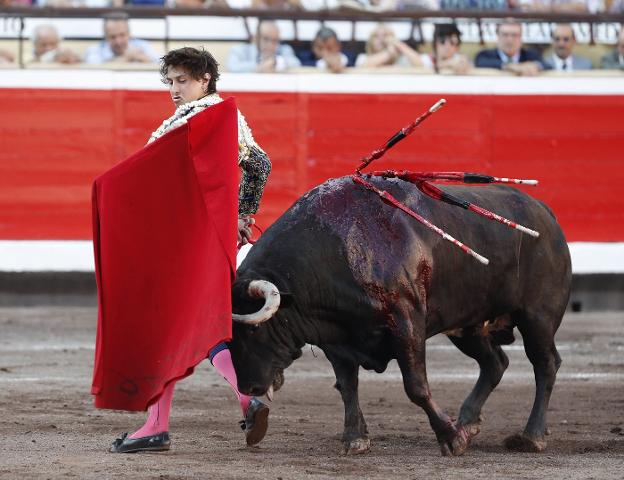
{"x": 261, "y": 289}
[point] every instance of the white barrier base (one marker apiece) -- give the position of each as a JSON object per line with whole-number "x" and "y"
{"x": 77, "y": 256}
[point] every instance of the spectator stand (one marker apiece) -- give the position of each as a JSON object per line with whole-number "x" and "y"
{"x": 168, "y": 28}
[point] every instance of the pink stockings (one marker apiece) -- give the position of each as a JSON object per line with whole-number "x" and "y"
{"x": 158, "y": 413}
{"x": 222, "y": 361}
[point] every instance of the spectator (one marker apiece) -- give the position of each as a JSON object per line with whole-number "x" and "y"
{"x": 161, "y": 3}
{"x": 387, "y": 5}
{"x": 617, "y": 6}
{"x": 384, "y": 49}
{"x": 267, "y": 4}
{"x": 369, "y": 5}
{"x": 474, "y": 5}
{"x": 615, "y": 59}
{"x": 264, "y": 55}
{"x": 563, "y": 6}
{"x": 445, "y": 55}
{"x": 276, "y": 4}
{"x": 118, "y": 46}
{"x": 562, "y": 59}
{"x": 316, "y": 5}
{"x": 79, "y": 3}
{"x": 326, "y": 52}
{"x": 47, "y": 47}
{"x": 412, "y": 5}
{"x": 186, "y": 3}
{"x": 510, "y": 55}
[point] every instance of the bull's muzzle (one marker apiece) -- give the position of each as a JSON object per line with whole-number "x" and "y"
{"x": 271, "y": 295}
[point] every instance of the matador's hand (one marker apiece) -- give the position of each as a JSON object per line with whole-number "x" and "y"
{"x": 244, "y": 229}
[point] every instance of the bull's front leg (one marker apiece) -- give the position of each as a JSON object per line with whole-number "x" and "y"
{"x": 355, "y": 436}
{"x": 409, "y": 344}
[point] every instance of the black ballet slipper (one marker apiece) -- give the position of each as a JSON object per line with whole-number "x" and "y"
{"x": 256, "y": 422}
{"x": 151, "y": 443}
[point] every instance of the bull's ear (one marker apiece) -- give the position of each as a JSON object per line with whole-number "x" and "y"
{"x": 286, "y": 299}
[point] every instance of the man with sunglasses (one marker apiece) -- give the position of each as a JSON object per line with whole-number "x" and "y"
{"x": 563, "y": 59}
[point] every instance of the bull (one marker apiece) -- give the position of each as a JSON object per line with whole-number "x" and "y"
{"x": 367, "y": 284}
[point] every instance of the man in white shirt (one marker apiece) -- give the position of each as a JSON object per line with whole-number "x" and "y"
{"x": 46, "y": 42}
{"x": 563, "y": 58}
{"x": 118, "y": 46}
{"x": 264, "y": 55}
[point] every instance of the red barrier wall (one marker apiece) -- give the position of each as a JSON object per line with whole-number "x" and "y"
{"x": 54, "y": 142}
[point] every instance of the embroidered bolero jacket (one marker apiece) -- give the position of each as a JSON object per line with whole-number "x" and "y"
{"x": 253, "y": 161}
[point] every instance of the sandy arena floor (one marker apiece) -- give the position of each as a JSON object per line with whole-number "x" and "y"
{"x": 49, "y": 428}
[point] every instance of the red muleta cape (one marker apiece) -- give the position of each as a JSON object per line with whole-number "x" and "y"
{"x": 164, "y": 236}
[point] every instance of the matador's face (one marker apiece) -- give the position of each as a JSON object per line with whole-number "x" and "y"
{"x": 183, "y": 87}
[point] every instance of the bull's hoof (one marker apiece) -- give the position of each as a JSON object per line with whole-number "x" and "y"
{"x": 356, "y": 446}
{"x": 473, "y": 429}
{"x": 522, "y": 443}
{"x": 457, "y": 445}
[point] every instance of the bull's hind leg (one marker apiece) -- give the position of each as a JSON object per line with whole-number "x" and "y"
{"x": 539, "y": 345}
{"x": 492, "y": 364}
{"x": 410, "y": 354}
{"x": 355, "y": 436}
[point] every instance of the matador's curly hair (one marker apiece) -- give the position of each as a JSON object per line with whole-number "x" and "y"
{"x": 196, "y": 62}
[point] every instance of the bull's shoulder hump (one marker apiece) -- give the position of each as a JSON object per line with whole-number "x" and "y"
{"x": 324, "y": 204}
{"x": 324, "y": 195}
